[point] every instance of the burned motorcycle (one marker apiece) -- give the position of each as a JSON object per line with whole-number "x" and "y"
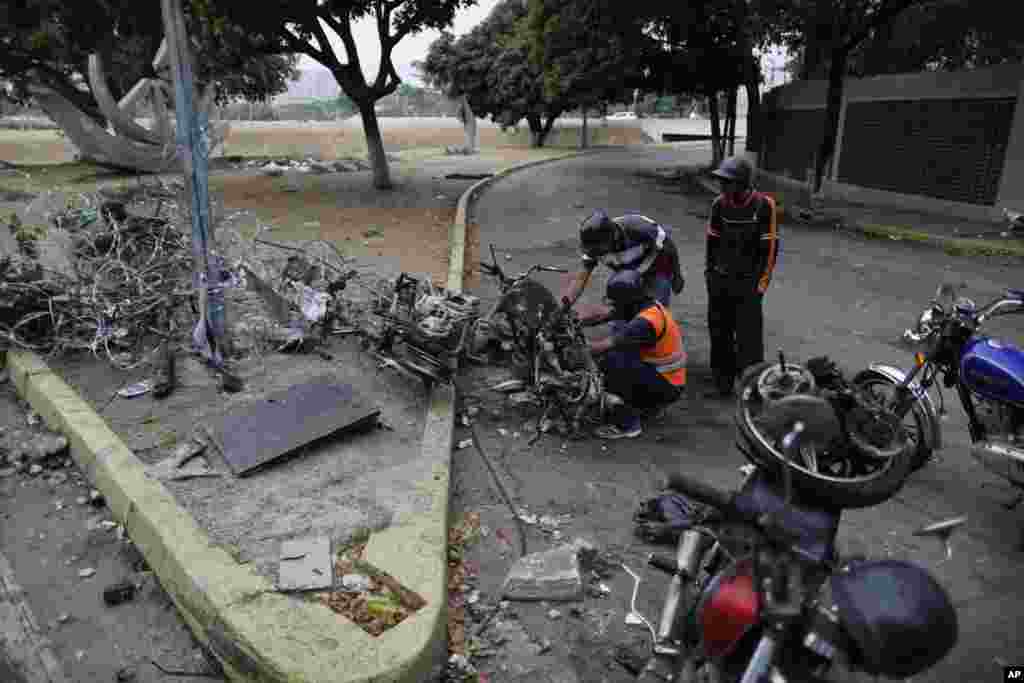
{"x": 549, "y": 351}
{"x": 988, "y": 374}
{"x": 522, "y": 307}
{"x": 759, "y": 593}
{"x": 868, "y": 460}
{"x": 421, "y": 330}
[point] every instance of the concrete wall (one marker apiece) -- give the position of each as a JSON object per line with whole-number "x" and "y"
{"x": 1011, "y": 184}
{"x": 1005, "y": 81}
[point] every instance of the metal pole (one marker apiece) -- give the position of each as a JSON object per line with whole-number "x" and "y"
{"x": 193, "y": 145}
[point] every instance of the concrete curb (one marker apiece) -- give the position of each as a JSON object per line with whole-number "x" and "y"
{"x": 259, "y": 634}
{"x": 457, "y": 232}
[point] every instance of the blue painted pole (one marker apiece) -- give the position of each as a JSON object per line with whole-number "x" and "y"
{"x": 193, "y": 146}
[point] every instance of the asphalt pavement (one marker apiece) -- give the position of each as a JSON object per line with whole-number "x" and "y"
{"x": 833, "y": 293}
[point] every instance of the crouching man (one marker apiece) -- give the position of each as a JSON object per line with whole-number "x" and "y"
{"x": 643, "y": 359}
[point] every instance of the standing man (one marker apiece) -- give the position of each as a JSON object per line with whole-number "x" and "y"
{"x": 742, "y": 246}
{"x": 631, "y": 242}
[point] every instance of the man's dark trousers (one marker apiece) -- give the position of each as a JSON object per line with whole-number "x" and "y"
{"x": 736, "y": 327}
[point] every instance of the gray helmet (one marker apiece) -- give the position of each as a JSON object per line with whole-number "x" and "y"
{"x": 627, "y": 288}
{"x": 597, "y": 231}
{"x": 736, "y": 169}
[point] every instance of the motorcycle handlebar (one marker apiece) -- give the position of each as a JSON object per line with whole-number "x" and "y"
{"x": 701, "y": 492}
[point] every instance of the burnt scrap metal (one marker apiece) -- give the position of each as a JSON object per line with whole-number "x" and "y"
{"x": 421, "y": 329}
{"x": 94, "y": 276}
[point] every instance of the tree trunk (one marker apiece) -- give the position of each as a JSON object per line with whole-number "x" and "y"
{"x": 375, "y": 146}
{"x": 583, "y": 131}
{"x": 753, "y": 145}
{"x": 731, "y": 121}
{"x": 833, "y": 107}
{"x": 536, "y": 130}
{"x": 716, "y": 133}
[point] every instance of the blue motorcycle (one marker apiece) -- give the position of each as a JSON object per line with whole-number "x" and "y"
{"x": 988, "y": 375}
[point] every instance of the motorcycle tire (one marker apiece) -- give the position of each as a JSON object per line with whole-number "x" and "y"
{"x": 526, "y": 308}
{"x": 859, "y": 492}
{"x": 916, "y": 422}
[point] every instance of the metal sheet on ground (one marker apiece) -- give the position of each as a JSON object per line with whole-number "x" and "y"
{"x": 255, "y": 434}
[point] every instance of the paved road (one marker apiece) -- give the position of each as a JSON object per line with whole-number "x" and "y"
{"x": 832, "y": 294}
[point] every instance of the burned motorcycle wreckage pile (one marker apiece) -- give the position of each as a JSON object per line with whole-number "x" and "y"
{"x": 543, "y": 340}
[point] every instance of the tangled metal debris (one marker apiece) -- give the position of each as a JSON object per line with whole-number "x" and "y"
{"x": 95, "y": 277}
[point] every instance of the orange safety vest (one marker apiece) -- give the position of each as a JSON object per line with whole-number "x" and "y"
{"x": 667, "y": 354}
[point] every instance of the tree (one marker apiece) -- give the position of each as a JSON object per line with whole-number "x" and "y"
{"x": 945, "y": 37}
{"x": 300, "y": 26}
{"x": 828, "y": 32}
{"x": 707, "y": 47}
{"x": 586, "y": 50}
{"x": 49, "y": 43}
{"x": 491, "y": 68}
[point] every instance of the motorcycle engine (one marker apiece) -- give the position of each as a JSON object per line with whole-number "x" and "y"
{"x": 1000, "y": 420}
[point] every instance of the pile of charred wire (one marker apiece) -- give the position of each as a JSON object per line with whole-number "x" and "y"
{"x": 96, "y": 277}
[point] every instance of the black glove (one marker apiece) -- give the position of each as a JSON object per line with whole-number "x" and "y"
{"x": 678, "y": 282}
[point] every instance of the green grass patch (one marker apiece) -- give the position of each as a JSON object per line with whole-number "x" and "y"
{"x": 73, "y": 176}
{"x": 952, "y": 246}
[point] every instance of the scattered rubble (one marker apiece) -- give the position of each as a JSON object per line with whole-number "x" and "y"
{"x": 119, "y": 593}
{"x": 549, "y": 575}
{"x": 278, "y": 167}
{"x": 305, "y": 565}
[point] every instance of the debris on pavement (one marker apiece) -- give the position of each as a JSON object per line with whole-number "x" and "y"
{"x": 118, "y": 593}
{"x": 183, "y": 463}
{"x": 136, "y": 389}
{"x": 86, "y": 573}
{"x": 465, "y": 443}
{"x": 126, "y": 674}
{"x": 297, "y": 416}
{"x": 355, "y": 583}
{"x": 305, "y": 565}
{"x": 383, "y": 605}
{"x": 548, "y": 575}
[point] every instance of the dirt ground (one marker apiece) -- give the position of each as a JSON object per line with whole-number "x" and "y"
{"x": 48, "y": 535}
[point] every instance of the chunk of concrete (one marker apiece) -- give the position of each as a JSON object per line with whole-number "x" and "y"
{"x": 549, "y": 575}
{"x": 305, "y": 565}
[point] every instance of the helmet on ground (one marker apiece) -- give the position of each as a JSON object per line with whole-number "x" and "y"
{"x": 736, "y": 169}
{"x": 597, "y": 232}
{"x": 626, "y": 288}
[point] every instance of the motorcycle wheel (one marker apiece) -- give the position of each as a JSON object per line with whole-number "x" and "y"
{"x": 916, "y": 422}
{"x": 838, "y": 478}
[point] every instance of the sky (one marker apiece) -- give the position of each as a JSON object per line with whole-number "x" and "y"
{"x": 410, "y": 48}
{"x": 414, "y": 47}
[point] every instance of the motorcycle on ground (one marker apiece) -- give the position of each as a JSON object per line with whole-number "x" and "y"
{"x": 988, "y": 374}
{"x": 868, "y": 460}
{"x": 759, "y": 593}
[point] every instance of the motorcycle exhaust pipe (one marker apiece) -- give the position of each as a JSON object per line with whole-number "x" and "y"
{"x": 1000, "y": 458}
{"x": 688, "y": 559}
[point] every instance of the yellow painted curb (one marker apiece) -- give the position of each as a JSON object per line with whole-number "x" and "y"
{"x": 457, "y": 232}
{"x": 259, "y": 634}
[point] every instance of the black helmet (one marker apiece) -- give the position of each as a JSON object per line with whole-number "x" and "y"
{"x": 736, "y": 169}
{"x": 597, "y": 232}
{"x": 627, "y": 288}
